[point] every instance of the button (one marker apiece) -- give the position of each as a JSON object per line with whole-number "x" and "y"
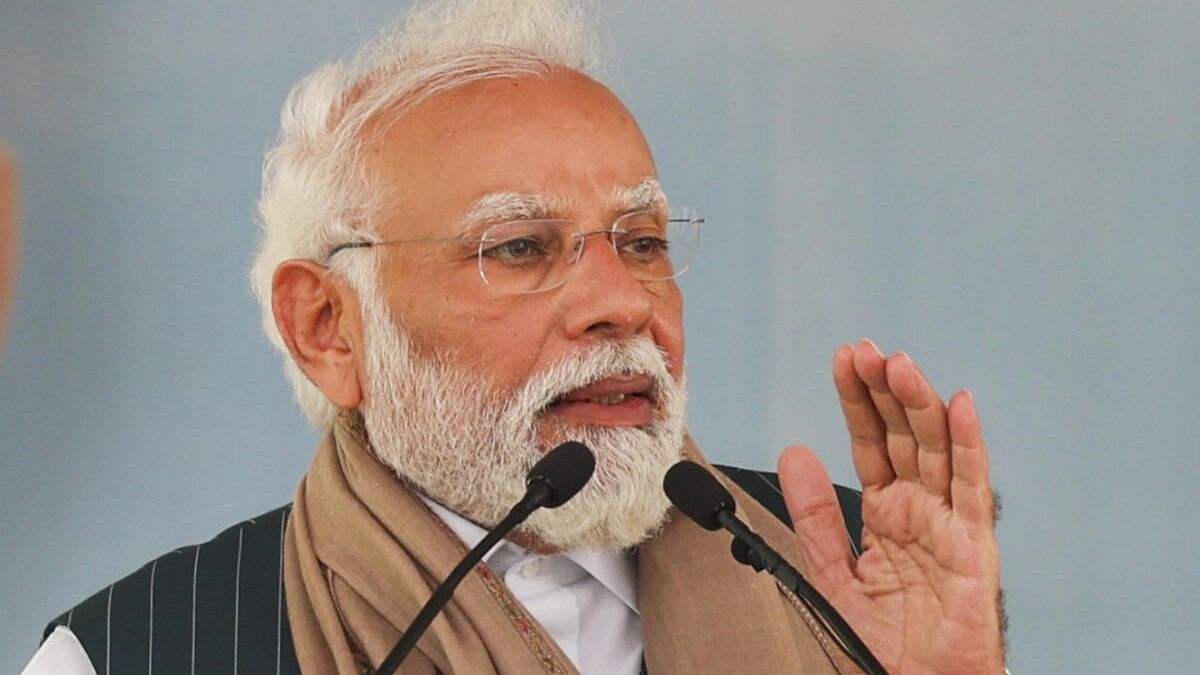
{"x": 530, "y": 569}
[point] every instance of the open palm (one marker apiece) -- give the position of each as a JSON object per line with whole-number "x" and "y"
{"x": 924, "y": 593}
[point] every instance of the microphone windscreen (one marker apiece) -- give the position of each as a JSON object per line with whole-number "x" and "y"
{"x": 565, "y": 470}
{"x": 701, "y": 497}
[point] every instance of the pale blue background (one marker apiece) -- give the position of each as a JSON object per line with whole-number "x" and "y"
{"x": 1008, "y": 190}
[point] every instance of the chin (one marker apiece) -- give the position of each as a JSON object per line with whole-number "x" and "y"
{"x": 624, "y": 503}
{"x": 612, "y": 531}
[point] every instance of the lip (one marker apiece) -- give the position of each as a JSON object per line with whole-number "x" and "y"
{"x": 581, "y": 406}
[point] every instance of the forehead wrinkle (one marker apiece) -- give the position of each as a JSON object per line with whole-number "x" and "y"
{"x": 498, "y": 207}
{"x": 644, "y": 195}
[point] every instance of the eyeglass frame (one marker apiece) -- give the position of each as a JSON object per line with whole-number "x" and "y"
{"x": 580, "y": 238}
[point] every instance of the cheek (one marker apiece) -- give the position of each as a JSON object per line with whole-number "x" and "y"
{"x": 668, "y": 331}
{"x": 492, "y": 339}
{"x": 674, "y": 347}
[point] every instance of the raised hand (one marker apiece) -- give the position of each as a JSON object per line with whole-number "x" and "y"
{"x": 925, "y": 592}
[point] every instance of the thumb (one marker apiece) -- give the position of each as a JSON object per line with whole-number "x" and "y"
{"x": 816, "y": 514}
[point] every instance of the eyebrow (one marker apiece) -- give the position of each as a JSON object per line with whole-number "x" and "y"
{"x": 499, "y": 207}
{"x": 647, "y": 194}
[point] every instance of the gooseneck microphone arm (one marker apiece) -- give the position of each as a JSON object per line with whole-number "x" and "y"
{"x": 695, "y": 492}
{"x": 760, "y": 554}
{"x": 560, "y": 474}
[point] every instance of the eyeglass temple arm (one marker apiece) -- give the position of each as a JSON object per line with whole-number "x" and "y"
{"x": 349, "y": 244}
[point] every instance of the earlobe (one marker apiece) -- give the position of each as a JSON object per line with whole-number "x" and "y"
{"x": 310, "y": 310}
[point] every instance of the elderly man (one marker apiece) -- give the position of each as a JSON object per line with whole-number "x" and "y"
{"x": 467, "y": 259}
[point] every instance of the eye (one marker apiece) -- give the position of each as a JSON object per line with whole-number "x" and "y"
{"x": 644, "y": 245}
{"x": 516, "y": 251}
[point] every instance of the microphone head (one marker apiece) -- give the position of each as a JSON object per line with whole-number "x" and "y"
{"x": 695, "y": 492}
{"x": 565, "y": 470}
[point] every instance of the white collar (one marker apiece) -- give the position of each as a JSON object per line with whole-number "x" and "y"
{"x": 615, "y": 571}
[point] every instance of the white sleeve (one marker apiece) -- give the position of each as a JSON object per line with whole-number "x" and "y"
{"x": 60, "y": 654}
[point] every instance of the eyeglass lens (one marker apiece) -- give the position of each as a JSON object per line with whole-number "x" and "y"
{"x": 533, "y": 255}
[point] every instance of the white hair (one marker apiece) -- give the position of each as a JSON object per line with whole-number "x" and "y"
{"x": 315, "y": 191}
{"x": 468, "y": 445}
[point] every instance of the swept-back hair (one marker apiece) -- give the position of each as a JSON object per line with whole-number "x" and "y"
{"x": 315, "y": 190}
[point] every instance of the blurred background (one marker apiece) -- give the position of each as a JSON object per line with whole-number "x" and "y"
{"x": 1008, "y": 191}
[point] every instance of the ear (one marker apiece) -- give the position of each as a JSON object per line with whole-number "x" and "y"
{"x": 317, "y": 317}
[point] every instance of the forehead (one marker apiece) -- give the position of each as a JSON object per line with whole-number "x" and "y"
{"x": 496, "y": 207}
{"x": 563, "y": 137}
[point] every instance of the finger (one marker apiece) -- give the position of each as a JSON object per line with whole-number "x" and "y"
{"x": 927, "y": 418}
{"x": 871, "y": 367}
{"x": 970, "y": 488}
{"x": 816, "y": 514}
{"x": 868, "y": 438}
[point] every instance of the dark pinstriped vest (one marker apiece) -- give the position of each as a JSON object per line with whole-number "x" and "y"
{"x": 219, "y": 606}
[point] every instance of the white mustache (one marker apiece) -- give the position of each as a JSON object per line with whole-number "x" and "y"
{"x": 434, "y": 423}
{"x": 635, "y": 356}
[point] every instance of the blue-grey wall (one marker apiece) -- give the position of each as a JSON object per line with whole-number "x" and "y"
{"x": 1008, "y": 190}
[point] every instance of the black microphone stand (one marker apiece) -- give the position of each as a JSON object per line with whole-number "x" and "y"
{"x": 750, "y": 549}
{"x": 556, "y": 478}
{"x": 701, "y": 497}
{"x": 537, "y": 495}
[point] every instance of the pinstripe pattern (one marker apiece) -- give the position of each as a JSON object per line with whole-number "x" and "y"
{"x": 279, "y": 603}
{"x": 219, "y": 610}
{"x": 237, "y": 599}
{"x": 192, "y": 647}
{"x": 150, "y": 637}
{"x": 225, "y": 611}
{"x": 108, "y": 630}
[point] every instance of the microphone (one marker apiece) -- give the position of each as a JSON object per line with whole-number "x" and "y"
{"x": 559, "y": 475}
{"x": 701, "y": 497}
{"x": 556, "y": 478}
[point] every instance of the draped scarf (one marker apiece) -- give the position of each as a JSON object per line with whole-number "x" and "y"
{"x": 363, "y": 553}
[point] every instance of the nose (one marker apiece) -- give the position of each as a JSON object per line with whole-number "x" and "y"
{"x": 602, "y": 298}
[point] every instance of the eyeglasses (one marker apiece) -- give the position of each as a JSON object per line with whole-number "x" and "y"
{"x": 531, "y": 256}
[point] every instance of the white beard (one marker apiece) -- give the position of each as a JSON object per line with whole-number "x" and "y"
{"x": 467, "y": 446}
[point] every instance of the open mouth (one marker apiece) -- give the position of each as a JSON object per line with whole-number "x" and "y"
{"x": 613, "y": 401}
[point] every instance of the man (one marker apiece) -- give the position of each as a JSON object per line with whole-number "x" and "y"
{"x": 468, "y": 259}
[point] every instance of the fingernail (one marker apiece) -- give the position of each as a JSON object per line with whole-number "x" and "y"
{"x": 874, "y": 346}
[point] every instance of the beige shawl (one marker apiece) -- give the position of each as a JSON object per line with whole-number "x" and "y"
{"x": 363, "y": 553}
